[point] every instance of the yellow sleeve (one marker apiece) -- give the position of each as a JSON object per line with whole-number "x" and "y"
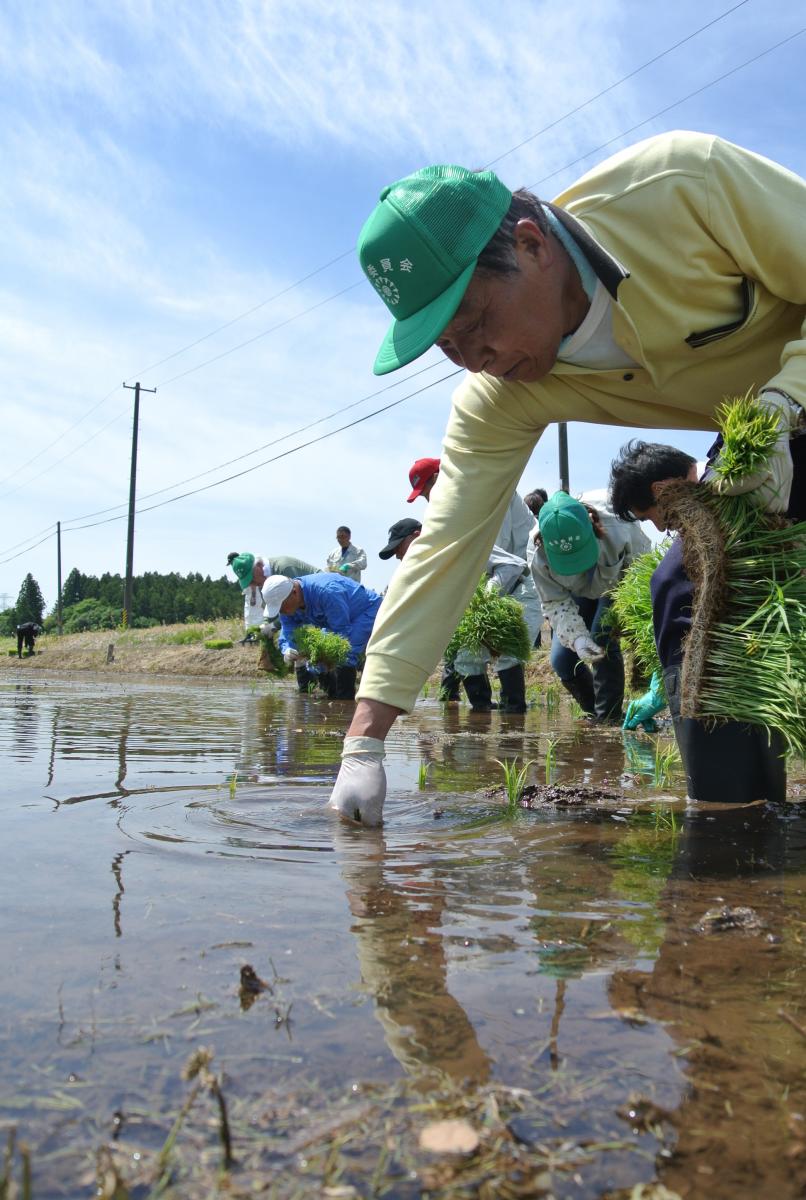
{"x": 491, "y": 433}
{"x": 757, "y": 211}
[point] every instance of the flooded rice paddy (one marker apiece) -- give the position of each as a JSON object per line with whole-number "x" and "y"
{"x": 608, "y": 997}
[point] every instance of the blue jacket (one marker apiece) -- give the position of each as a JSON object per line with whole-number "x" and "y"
{"x": 338, "y": 604}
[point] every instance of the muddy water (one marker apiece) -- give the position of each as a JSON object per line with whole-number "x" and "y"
{"x": 551, "y": 977}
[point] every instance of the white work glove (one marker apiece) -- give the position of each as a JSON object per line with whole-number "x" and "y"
{"x": 360, "y": 787}
{"x": 586, "y": 649}
{"x": 290, "y": 656}
{"x": 772, "y": 484}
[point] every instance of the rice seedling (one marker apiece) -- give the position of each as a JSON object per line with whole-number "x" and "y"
{"x": 667, "y": 762}
{"x": 426, "y": 691}
{"x": 320, "y": 647}
{"x": 491, "y": 622}
{"x": 551, "y": 757}
{"x": 632, "y": 608}
{"x": 749, "y": 433}
{"x": 514, "y": 782}
{"x": 551, "y": 697}
{"x": 422, "y": 775}
{"x": 7, "y": 1186}
{"x": 233, "y": 784}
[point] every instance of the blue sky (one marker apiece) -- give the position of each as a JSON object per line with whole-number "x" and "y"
{"x": 168, "y": 167}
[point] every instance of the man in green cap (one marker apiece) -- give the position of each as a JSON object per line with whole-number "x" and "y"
{"x": 667, "y": 278}
{"x": 582, "y": 553}
{"x": 251, "y": 573}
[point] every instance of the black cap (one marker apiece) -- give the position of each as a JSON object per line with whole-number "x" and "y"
{"x": 398, "y": 533}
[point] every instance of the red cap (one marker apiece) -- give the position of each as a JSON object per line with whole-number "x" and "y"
{"x": 419, "y": 475}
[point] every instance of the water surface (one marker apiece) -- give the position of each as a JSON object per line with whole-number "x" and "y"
{"x": 547, "y": 976}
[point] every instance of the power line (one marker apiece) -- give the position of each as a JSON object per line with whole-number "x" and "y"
{"x": 344, "y": 254}
{"x": 285, "y": 453}
{"x": 585, "y": 104}
{"x": 69, "y": 454}
{"x": 603, "y": 145}
{"x": 275, "y": 441}
{"x": 675, "y": 104}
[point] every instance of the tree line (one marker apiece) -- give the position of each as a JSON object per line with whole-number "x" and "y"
{"x": 96, "y": 602}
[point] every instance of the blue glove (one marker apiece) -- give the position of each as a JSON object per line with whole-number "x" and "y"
{"x": 642, "y": 710}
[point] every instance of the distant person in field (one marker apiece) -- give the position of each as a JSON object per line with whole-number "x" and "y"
{"x": 27, "y": 633}
{"x": 252, "y": 572}
{"x": 345, "y": 558}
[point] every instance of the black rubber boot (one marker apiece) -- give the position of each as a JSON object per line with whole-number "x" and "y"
{"x": 305, "y": 678}
{"x": 513, "y": 690}
{"x": 608, "y": 685}
{"x": 479, "y": 693}
{"x": 580, "y": 685}
{"x": 449, "y": 685}
{"x": 341, "y": 683}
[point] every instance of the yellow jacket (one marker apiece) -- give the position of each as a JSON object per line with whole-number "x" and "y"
{"x": 703, "y": 247}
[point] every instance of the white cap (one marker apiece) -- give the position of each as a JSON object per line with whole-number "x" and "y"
{"x": 274, "y": 592}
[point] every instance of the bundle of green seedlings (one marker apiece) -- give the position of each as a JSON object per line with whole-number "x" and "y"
{"x": 492, "y": 622}
{"x": 320, "y": 647}
{"x": 632, "y": 609}
{"x": 745, "y": 655}
{"x": 271, "y": 658}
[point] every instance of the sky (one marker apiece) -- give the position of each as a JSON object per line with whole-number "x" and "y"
{"x": 183, "y": 186}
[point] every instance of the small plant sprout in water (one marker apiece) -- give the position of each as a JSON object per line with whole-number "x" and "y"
{"x": 551, "y": 758}
{"x": 552, "y": 698}
{"x": 667, "y": 761}
{"x": 422, "y": 775}
{"x": 514, "y": 781}
{"x": 233, "y": 784}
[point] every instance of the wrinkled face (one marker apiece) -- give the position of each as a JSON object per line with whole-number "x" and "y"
{"x": 293, "y": 600}
{"x": 400, "y": 552}
{"x": 511, "y": 326}
{"x": 343, "y": 538}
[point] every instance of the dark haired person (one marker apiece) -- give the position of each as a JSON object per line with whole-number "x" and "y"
{"x": 27, "y": 633}
{"x": 668, "y": 277}
{"x": 535, "y": 500}
{"x": 727, "y": 761}
{"x": 346, "y": 558}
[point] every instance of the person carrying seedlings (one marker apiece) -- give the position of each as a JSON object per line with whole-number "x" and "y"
{"x": 668, "y": 277}
{"x": 331, "y": 602}
{"x": 513, "y": 538}
{"x": 252, "y": 572}
{"x": 581, "y": 553}
{"x": 728, "y": 761}
{"x": 505, "y": 573}
{"x": 345, "y": 558}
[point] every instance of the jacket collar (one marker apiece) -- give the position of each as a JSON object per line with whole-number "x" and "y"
{"x": 608, "y": 269}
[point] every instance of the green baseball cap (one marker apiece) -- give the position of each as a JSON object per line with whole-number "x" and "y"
{"x": 567, "y": 534}
{"x": 243, "y": 565}
{"x": 419, "y": 249}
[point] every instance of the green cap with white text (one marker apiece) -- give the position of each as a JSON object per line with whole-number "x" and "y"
{"x": 567, "y": 535}
{"x": 419, "y": 250}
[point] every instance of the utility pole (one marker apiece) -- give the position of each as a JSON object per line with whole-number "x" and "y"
{"x": 562, "y": 436}
{"x": 59, "y": 576}
{"x": 129, "y": 588}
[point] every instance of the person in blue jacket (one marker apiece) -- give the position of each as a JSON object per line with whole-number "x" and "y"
{"x": 332, "y": 602}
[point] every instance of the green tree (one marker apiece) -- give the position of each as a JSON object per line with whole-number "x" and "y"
{"x": 30, "y": 604}
{"x": 74, "y": 588}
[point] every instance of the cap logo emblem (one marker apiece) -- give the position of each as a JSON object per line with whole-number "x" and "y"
{"x": 387, "y": 289}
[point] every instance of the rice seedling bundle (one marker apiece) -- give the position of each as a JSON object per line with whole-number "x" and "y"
{"x": 745, "y": 655}
{"x": 492, "y": 622}
{"x": 632, "y": 608}
{"x": 320, "y": 647}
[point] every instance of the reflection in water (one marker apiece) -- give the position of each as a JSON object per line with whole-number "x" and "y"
{"x": 558, "y": 952}
{"x": 397, "y": 910}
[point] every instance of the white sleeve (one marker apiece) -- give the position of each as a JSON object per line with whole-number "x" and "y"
{"x": 565, "y": 620}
